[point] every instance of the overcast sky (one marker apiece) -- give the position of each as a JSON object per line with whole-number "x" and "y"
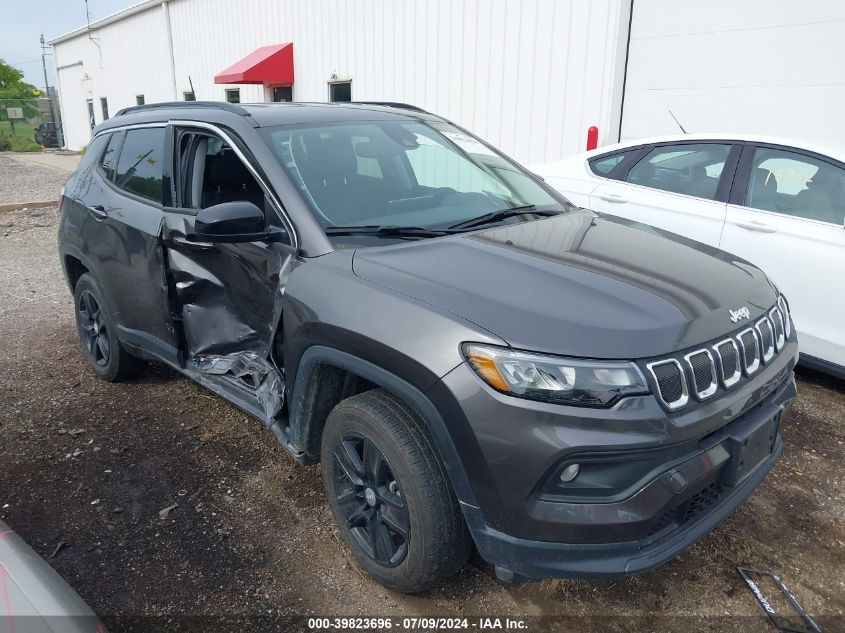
{"x": 24, "y": 20}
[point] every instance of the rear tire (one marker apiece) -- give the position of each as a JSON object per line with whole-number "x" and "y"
{"x": 389, "y": 494}
{"x": 98, "y": 334}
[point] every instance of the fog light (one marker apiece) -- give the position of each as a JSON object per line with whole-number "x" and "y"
{"x": 569, "y": 473}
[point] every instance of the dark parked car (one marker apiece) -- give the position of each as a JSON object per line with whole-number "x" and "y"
{"x": 473, "y": 360}
{"x": 46, "y": 135}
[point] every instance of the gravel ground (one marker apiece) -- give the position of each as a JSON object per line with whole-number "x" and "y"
{"x": 22, "y": 181}
{"x": 251, "y": 543}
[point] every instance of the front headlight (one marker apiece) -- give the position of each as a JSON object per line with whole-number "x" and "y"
{"x": 585, "y": 383}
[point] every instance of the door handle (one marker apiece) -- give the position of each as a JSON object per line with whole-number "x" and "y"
{"x": 756, "y": 226}
{"x": 98, "y": 211}
{"x": 613, "y": 197}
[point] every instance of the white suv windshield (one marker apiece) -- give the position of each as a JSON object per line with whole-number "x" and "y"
{"x": 401, "y": 174}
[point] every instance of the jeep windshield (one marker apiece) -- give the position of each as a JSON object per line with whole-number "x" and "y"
{"x": 404, "y": 179}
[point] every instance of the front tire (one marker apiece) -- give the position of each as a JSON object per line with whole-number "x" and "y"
{"x": 389, "y": 494}
{"x": 98, "y": 334}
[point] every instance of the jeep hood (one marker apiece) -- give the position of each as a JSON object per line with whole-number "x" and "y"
{"x": 579, "y": 284}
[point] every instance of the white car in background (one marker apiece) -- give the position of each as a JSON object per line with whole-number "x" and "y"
{"x": 775, "y": 203}
{"x": 33, "y": 597}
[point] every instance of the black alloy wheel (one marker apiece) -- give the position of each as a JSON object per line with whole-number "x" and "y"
{"x": 98, "y": 334}
{"x": 92, "y": 328}
{"x": 389, "y": 493}
{"x": 370, "y": 496}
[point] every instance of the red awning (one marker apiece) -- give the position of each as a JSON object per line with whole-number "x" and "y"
{"x": 265, "y": 65}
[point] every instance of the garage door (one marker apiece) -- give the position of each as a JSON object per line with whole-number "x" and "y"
{"x": 74, "y": 90}
{"x": 773, "y": 67}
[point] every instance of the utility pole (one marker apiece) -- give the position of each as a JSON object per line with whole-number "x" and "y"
{"x": 59, "y": 136}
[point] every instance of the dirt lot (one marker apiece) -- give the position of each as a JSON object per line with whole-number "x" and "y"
{"x": 33, "y": 177}
{"x": 87, "y": 466}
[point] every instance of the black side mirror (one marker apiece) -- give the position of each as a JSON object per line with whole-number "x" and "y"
{"x": 240, "y": 221}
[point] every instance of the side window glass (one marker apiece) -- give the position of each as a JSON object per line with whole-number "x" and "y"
{"x": 139, "y": 167}
{"x": 603, "y": 165}
{"x": 94, "y": 152}
{"x": 219, "y": 175}
{"x": 797, "y": 185}
{"x": 107, "y": 160}
{"x": 213, "y": 173}
{"x": 88, "y": 163}
{"x": 689, "y": 169}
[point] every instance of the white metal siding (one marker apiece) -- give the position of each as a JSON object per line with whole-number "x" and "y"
{"x": 758, "y": 66}
{"x": 530, "y": 76}
{"x": 131, "y": 59}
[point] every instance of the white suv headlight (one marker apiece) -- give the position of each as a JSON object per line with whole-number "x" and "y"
{"x": 585, "y": 383}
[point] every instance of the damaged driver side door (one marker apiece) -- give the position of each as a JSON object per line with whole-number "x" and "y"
{"x": 228, "y": 256}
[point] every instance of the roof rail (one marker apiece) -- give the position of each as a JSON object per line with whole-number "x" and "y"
{"x": 219, "y": 105}
{"x": 391, "y": 104}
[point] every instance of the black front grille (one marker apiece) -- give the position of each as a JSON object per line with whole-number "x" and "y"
{"x": 729, "y": 358}
{"x": 784, "y": 310}
{"x": 749, "y": 348}
{"x": 777, "y": 319}
{"x": 669, "y": 381}
{"x": 738, "y": 356}
{"x": 766, "y": 337}
{"x": 688, "y": 510}
{"x": 702, "y": 370}
{"x": 699, "y": 502}
{"x": 664, "y": 521}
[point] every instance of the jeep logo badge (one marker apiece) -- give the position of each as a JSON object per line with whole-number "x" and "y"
{"x": 739, "y": 314}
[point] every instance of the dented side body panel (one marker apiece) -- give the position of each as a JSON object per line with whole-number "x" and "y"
{"x": 226, "y": 302}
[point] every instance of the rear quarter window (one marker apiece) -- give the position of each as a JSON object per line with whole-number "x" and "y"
{"x": 603, "y": 165}
{"x": 109, "y": 156}
{"x": 89, "y": 162}
{"x": 139, "y": 167}
{"x": 94, "y": 151}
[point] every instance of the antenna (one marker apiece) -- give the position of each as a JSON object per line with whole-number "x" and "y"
{"x": 671, "y": 115}
{"x": 94, "y": 40}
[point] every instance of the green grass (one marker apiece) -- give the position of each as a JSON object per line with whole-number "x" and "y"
{"x": 22, "y": 141}
{"x": 22, "y": 130}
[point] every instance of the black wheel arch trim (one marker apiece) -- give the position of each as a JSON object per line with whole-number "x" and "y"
{"x": 317, "y": 355}
{"x": 71, "y": 251}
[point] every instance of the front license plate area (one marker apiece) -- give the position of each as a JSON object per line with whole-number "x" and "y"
{"x": 749, "y": 444}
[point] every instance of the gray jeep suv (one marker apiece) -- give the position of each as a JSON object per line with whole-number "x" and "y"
{"x": 473, "y": 361}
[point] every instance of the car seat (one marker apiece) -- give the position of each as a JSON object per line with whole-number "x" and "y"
{"x": 228, "y": 180}
{"x": 823, "y": 197}
{"x": 763, "y": 192}
{"x": 329, "y": 170}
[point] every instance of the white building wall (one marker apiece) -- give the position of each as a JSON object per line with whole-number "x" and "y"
{"x": 126, "y": 58}
{"x": 772, "y": 67}
{"x": 530, "y": 76}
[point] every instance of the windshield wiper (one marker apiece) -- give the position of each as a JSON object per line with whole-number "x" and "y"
{"x": 501, "y": 214}
{"x": 401, "y": 231}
